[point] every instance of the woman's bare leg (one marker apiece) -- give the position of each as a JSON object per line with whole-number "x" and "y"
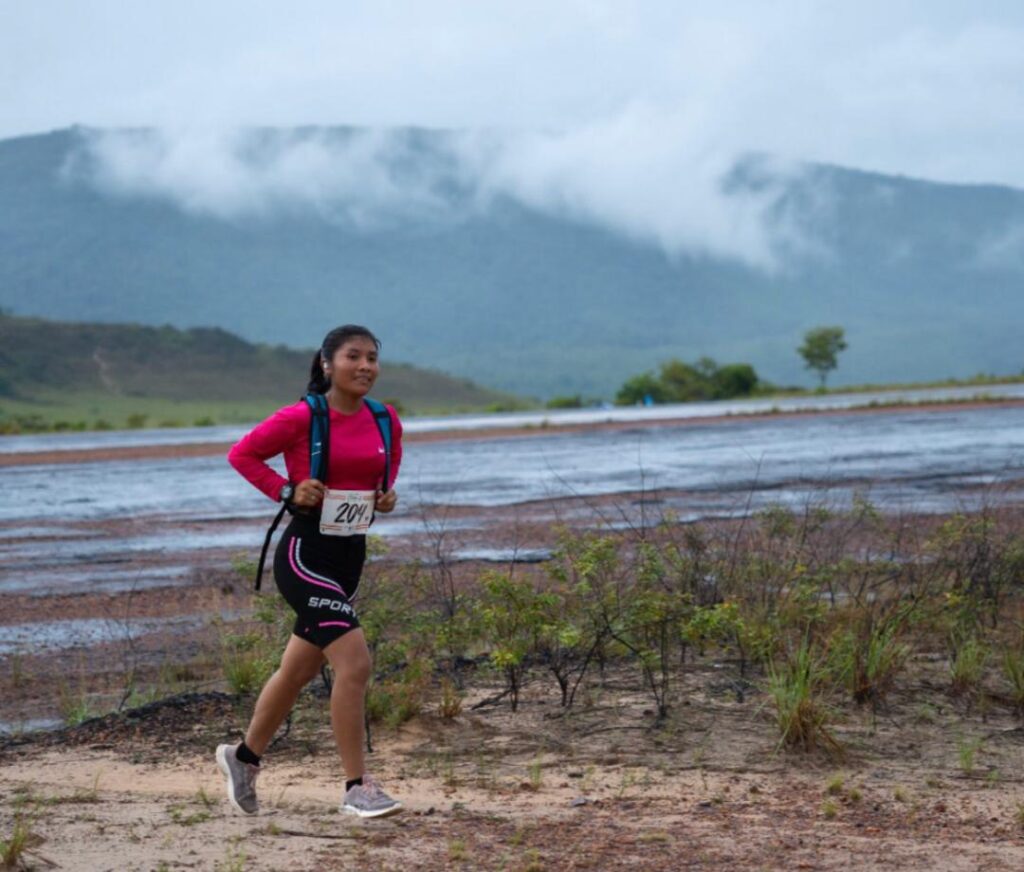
{"x": 350, "y": 659}
{"x": 299, "y": 665}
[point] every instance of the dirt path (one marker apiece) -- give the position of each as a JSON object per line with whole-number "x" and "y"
{"x": 99, "y": 810}
{"x": 534, "y": 790}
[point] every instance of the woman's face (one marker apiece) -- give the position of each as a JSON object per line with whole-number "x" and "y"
{"x": 354, "y": 367}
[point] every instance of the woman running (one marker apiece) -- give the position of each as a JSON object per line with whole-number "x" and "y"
{"x": 318, "y": 561}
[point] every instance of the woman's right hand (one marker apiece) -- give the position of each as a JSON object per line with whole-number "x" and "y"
{"x": 308, "y": 493}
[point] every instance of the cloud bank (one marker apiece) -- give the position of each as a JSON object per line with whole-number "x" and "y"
{"x": 640, "y": 174}
{"x": 931, "y": 90}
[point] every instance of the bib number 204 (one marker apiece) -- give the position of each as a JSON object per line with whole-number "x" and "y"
{"x": 352, "y": 513}
{"x": 346, "y": 513}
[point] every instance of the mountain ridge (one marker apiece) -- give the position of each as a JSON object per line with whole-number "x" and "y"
{"x": 925, "y": 276}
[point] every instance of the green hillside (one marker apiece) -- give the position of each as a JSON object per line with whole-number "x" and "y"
{"x": 127, "y": 374}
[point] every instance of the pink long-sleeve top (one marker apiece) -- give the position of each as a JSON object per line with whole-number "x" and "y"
{"x": 356, "y": 459}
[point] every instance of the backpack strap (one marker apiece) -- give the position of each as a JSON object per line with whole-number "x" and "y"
{"x": 319, "y": 450}
{"x": 266, "y": 545}
{"x": 319, "y": 436}
{"x": 382, "y": 417}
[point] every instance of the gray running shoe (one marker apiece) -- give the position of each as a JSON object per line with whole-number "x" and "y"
{"x": 241, "y": 779}
{"x": 368, "y": 800}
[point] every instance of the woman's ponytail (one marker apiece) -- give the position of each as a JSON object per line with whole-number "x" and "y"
{"x": 319, "y": 383}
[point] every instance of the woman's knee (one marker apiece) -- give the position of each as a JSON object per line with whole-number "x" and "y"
{"x": 353, "y": 665}
{"x": 356, "y": 671}
{"x": 296, "y": 676}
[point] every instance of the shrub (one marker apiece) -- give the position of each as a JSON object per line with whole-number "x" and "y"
{"x": 512, "y": 615}
{"x": 247, "y": 661}
{"x": 797, "y": 688}
{"x": 573, "y": 402}
{"x": 400, "y": 696}
{"x": 652, "y": 622}
{"x": 868, "y": 657}
{"x": 967, "y": 665}
{"x": 450, "y": 706}
{"x": 679, "y": 382}
{"x": 1013, "y": 669}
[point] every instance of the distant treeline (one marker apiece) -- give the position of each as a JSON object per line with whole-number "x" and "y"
{"x": 680, "y": 382}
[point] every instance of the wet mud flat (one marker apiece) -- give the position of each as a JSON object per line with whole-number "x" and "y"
{"x": 214, "y": 448}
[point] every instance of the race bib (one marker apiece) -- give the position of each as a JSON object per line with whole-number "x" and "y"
{"x": 346, "y": 513}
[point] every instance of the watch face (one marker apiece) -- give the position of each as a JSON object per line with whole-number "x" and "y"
{"x": 287, "y": 492}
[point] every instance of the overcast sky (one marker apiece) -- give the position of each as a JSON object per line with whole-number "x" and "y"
{"x": 931, "y": 88}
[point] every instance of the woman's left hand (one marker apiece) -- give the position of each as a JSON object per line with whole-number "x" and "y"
{"x": 385, "y": 501}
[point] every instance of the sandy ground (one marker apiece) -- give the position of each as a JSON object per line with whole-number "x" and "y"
{"x": 600, "y": 787}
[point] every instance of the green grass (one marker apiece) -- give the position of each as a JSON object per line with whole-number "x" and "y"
{"x": 967, "y": 752}
{"x": 248, "y": 660}
{"x": 97, "y": 411}
{"x": 967, "y": 665}
{"x": 12, "y": 849}
{"x": 92, "y": 411}
{"x": 87, "y": 412}
{"x": 982, "y": 379}
{"x": 797, "y": 689}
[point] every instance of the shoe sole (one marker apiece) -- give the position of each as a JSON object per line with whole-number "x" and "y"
{"x": 222, "y": 764}
{"x": 384, "y": 812}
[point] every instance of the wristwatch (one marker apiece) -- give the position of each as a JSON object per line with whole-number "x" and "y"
{"x": 286, "y": 493}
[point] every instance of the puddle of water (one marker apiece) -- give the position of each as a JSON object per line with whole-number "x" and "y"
{"x": 37, "y": 637}
{"x": 42, "y": 533}
{"x": 57, "y": 553}
{"x": 504, "y": 555}
{"x": 107, "y": 580}
{"x": 28, "y": 725}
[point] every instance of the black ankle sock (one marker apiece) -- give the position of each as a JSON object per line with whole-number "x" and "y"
{"x": 247, "y": 755}
{"x": 350, "y": 784}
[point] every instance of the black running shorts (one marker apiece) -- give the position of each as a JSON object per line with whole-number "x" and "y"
{"x": 318, "y": 576}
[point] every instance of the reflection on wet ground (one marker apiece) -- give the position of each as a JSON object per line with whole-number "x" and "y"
{"x": 927, "y": 461}
{"x": 60, "y": 635}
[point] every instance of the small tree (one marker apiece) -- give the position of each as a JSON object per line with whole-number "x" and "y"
{"x": 820, "y": 349}
{"x": 735, "y": 380}
{"x": 684, "y": 383}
